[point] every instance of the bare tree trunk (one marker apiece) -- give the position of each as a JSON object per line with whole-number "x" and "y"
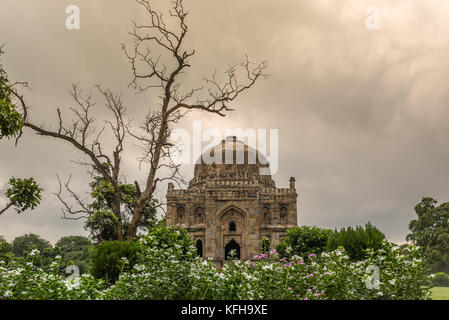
{"x": 115, "y": 208}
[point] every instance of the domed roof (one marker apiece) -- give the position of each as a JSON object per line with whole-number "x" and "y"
{"x": 232, "y": 159}
{"x": 236, "y": 148}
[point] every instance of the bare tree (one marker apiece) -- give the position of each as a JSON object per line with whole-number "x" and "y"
{"x": 150, "y": 72}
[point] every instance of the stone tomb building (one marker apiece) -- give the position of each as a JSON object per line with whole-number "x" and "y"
{"x": 230, "y": 205}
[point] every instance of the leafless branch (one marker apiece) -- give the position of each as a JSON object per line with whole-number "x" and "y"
{"x": 81, "y": 211}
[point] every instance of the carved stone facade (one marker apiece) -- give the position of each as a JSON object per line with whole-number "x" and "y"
{"x": 229, "y": 205}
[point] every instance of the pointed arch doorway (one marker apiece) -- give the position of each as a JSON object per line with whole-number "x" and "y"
{"x": 232, "y": 233}
{"x": 199, "y": 248}
{"x": 232, "y": 246}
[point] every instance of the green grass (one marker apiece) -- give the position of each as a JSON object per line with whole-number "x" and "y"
{"x": 440, "y": 293}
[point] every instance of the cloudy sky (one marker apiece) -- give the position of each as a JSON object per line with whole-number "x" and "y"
{"x": 362, "y": 114}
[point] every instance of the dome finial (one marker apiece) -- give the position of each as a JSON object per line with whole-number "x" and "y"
{"x": 292, "y": 182}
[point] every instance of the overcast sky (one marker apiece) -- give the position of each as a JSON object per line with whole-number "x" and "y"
{"x": 362, "y": 114}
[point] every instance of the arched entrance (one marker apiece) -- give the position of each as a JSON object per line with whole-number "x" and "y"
{"x": 232, "y": 245}
{"x": 199, "y": 248}
{"x": 232, "y": 232}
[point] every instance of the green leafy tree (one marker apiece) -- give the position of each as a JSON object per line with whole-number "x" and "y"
{"x": 102, "y": 223}
{"x": 440, "y": 279}
{"x": 22, "y": 245}
{"x": 431, "y": 232}
{"x": 302, "y": 241}
{"x": 6, "y": 253}
{"x": 11, "y": 121}
{"x": 75, "y": 250}
{"x": 357, "y": 240}
{"x": 23, "y": 194}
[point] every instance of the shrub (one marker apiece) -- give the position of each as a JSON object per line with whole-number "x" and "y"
{"x": 163, "y": 237}
{"x": 356, "y": 241}
{"x": 112, "y": 258}
{"x": 302, "y": 241}
{"x": 6, "y": 254}
{"x": 164, "y": 270}
{"x": 168, "y": 268}
{"x": 29, "y": 282}
{"x": 329, "y": 275}
{"x": 441, "y": 279}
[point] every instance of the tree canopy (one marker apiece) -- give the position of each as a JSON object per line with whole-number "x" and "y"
{"x": 102, "y": 223}
{"x": 431, "y": 232}
{"x": 6, "y": 253}
{"x": 356, "y": 240}
{"x": 303, "y": 241}
{"x": 23, "y": 194}
{"x": 75, "y": 250}
{"x": 11, "y": 121}
{"x": 22, "y": 245}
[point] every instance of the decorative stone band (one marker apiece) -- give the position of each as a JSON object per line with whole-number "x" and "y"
{"x": 235, "y": 193}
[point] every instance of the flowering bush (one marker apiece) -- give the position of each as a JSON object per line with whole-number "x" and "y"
{"x": 28, "y": 282}
{"x": 168, "y": 268}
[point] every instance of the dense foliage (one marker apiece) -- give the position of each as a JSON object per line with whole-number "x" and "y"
{"x": 6, "y": 253}
{"x": 356, "y": 240}
{"x": 431, "y": 232}
{"x": 23, "y": 245}
{"x": 111, "y": 258}
{"x": 75, "y": 251}
{"x": 102, "y": 222}
{"x": 10, "y": 120}
{"x": 302, "y": 241}
{"x": 167, "y": 268}
{"x": 440, "y": 279}
{"x": 24, "y": 194}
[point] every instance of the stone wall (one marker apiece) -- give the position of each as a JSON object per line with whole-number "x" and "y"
{"x": 256, "y": 211}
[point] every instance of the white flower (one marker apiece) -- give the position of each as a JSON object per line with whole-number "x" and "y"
{"x": 124, "y": 260}
{"x": 34, "y": 252}
{"x": 72, "y": 284}
{"x": 268, "y": 267}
